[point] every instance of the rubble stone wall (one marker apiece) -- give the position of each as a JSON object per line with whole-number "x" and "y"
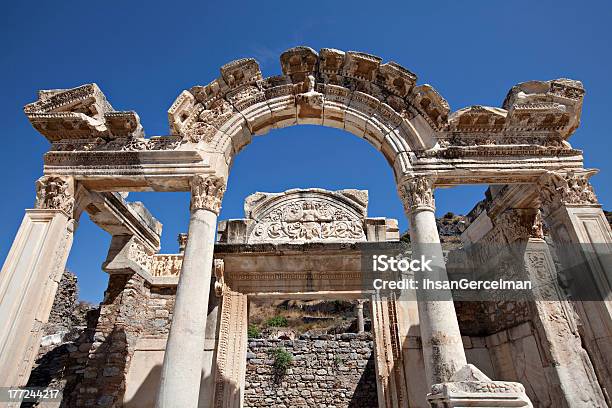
{"x": 327, "y": 370}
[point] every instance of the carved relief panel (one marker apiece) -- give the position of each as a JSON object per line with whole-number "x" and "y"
{"x": 307, "y": 215}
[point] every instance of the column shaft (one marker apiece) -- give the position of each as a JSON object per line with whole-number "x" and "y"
{"x": 180, "y": 377}
{"x": 360, "y": 320}
{"x": 443, "y": 352}
{"x": 183, "y": 360}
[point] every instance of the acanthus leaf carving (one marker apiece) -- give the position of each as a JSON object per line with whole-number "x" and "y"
{"x": 571, "y": 188}
{"x": 417, "y": 194}
{"x": 207, "y": 193}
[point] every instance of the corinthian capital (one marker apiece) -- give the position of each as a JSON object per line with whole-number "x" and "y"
{"x": 417, "y": 194}
{"x": 571, "y": 188}
{"x": 55, "y": 193}
{"x": 207, "y": 193}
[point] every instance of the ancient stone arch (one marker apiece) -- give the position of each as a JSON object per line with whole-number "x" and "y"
{"x": 520, "y": 148}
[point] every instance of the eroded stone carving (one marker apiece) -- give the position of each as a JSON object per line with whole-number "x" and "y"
{"x": 546, "y": 106}
{"x": 520, "y": 224}
{"x": 55, "y": 193}
{"x": 417, "y": 193}
{"x": 166, "y": 265}
{"x": 80, "y": 113}
{"x": 431, "y": 105}
{"x": 207, "y": 193}
{"x": 471, "y": 387}
{"x": 140, "y": 254}
{"x": 571, "y": 188}
{"x": 219, "y": 269}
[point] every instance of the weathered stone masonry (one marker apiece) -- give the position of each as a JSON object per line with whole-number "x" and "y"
{"x": 327, "y": 371}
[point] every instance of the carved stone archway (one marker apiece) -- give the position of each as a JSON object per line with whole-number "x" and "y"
{"x": 97, "y": 152}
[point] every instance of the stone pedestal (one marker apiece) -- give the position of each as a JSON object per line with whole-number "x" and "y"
{"x": 442, "y": 346}
{"x": 181, "y": 372}
{"x": 28, "y": 282}
{"x": 469, "y": 387}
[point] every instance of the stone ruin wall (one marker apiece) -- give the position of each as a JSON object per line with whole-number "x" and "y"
{"x": 327, "y": 371}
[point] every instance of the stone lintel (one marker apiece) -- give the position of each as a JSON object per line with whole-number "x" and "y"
{"x": 119, "y": 217}
{"x": 161, "y": 170}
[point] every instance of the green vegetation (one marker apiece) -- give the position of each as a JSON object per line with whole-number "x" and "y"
{"x": 277, "y": 321}
{"x": 282, "y": 360}
{"x": 253, "y": 332}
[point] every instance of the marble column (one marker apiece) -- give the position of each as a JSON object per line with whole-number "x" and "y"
{"x": 583, "y": 242}
{"x": 359, "y": 313}
{"x": 443, "y": 351}
{"x": 30, "y": 276}
{"x": 182, "y": 368}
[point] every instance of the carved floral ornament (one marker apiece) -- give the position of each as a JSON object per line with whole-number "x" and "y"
{"x": 207, "y": 193}
{"x": 417, "y": 194}
{"x": 55, "y": 193}
{"x": 571, "y": 188}
{"x": 307, "y": 215}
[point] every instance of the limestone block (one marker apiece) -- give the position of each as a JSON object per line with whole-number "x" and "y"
{"x": 336, "y": 101}
{"x": 281, "y": 101}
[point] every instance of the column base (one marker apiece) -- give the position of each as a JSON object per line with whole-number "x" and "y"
{"x": 469, "y": 387}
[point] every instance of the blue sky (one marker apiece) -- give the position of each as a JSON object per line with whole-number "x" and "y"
{"x": 142, "y": 54}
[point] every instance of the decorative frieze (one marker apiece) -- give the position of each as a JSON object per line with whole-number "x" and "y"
{"x": 417, "y": 194}
{"x": 166, "y": 265}
{"x": 207, "y": 193}
{"x": 55, "y": 193}
{"x": 140, "y": 254}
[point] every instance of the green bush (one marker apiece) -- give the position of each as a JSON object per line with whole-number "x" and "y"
{"x": 253, "y": 332}
{"x": 277, "y": 321}
{"x": 282, "y": 360}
